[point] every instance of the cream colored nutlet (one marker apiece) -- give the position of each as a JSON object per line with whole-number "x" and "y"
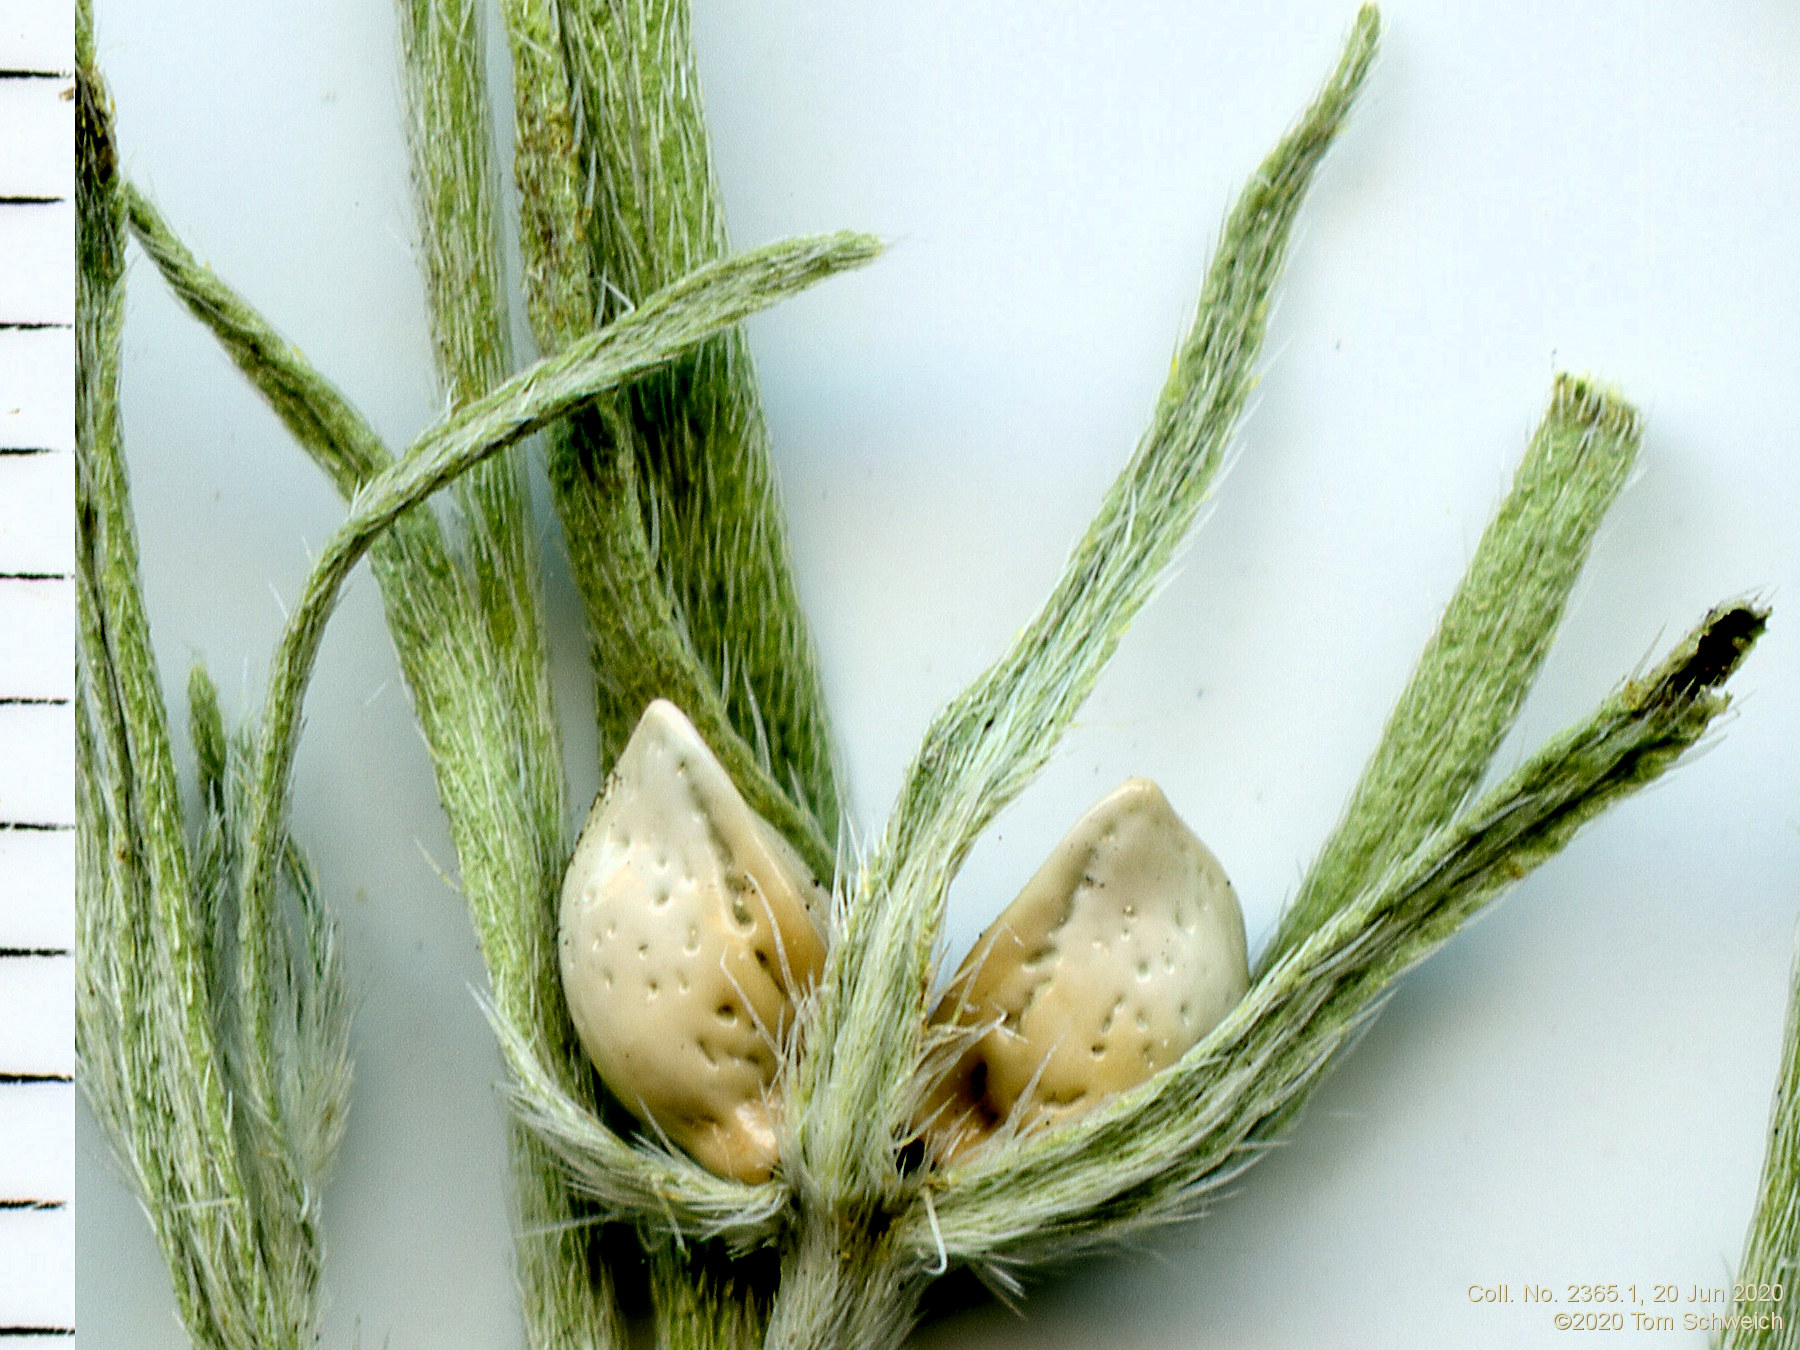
{"x": 686, "y": 943}
{"x": 1123, "y": 950}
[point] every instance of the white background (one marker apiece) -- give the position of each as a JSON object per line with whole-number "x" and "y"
{"x": 1577, "y": 1088}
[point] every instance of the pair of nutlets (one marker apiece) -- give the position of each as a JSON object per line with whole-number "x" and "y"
{"x": 689, "y": 940}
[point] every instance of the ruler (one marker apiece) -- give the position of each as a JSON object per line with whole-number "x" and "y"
{"x": 37, "y": 606}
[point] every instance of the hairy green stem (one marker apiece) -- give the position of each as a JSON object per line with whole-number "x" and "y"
{"x": 445, "y": 657}
{"x": 144, "y": 1044}
{"x": 642, "y": 632}
{"x": 443, "y": 647}
{"x": 455, "y": 186}
{"x": 846, "y": 1284}
{"x": 153, "y": 1088}
{"x": 115, "y": 628}
{"x": 450, "y": 137}
{"x": 699, "y": 1308}
{"x": 442, "y": 644}
{"x": 218, "y": 983}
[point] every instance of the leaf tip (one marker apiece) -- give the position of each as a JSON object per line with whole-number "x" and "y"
{"x": 857, "y": 249}
{"x": 1589, "y": 403}
{"x": 1360, "y": 48}
{"x": 1717, "y": 648}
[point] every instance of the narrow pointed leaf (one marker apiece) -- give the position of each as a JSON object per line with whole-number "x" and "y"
{"x": 696, "y": 432}
{"x": 337, "y": 437}
{"x": 994, "y": 737}
{"x": 1475, "y": 672}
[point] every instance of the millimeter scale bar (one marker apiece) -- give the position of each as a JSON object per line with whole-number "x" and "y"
{"x": 37, "y": 607}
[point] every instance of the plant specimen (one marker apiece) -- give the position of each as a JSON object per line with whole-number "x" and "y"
{"x": 658, "y": 471}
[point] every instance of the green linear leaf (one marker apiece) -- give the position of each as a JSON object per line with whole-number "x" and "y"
{"x": 706, "y": 479}
{"x": 455, "y": 183}
{"x": 456, "y": 189}
{"x": 1466, "y": 690}
{"x": 555, "y": 217}
{"x": 642, "y": 647}
{"x": 337, "y": 437}
{"x": 989, "y": 742}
